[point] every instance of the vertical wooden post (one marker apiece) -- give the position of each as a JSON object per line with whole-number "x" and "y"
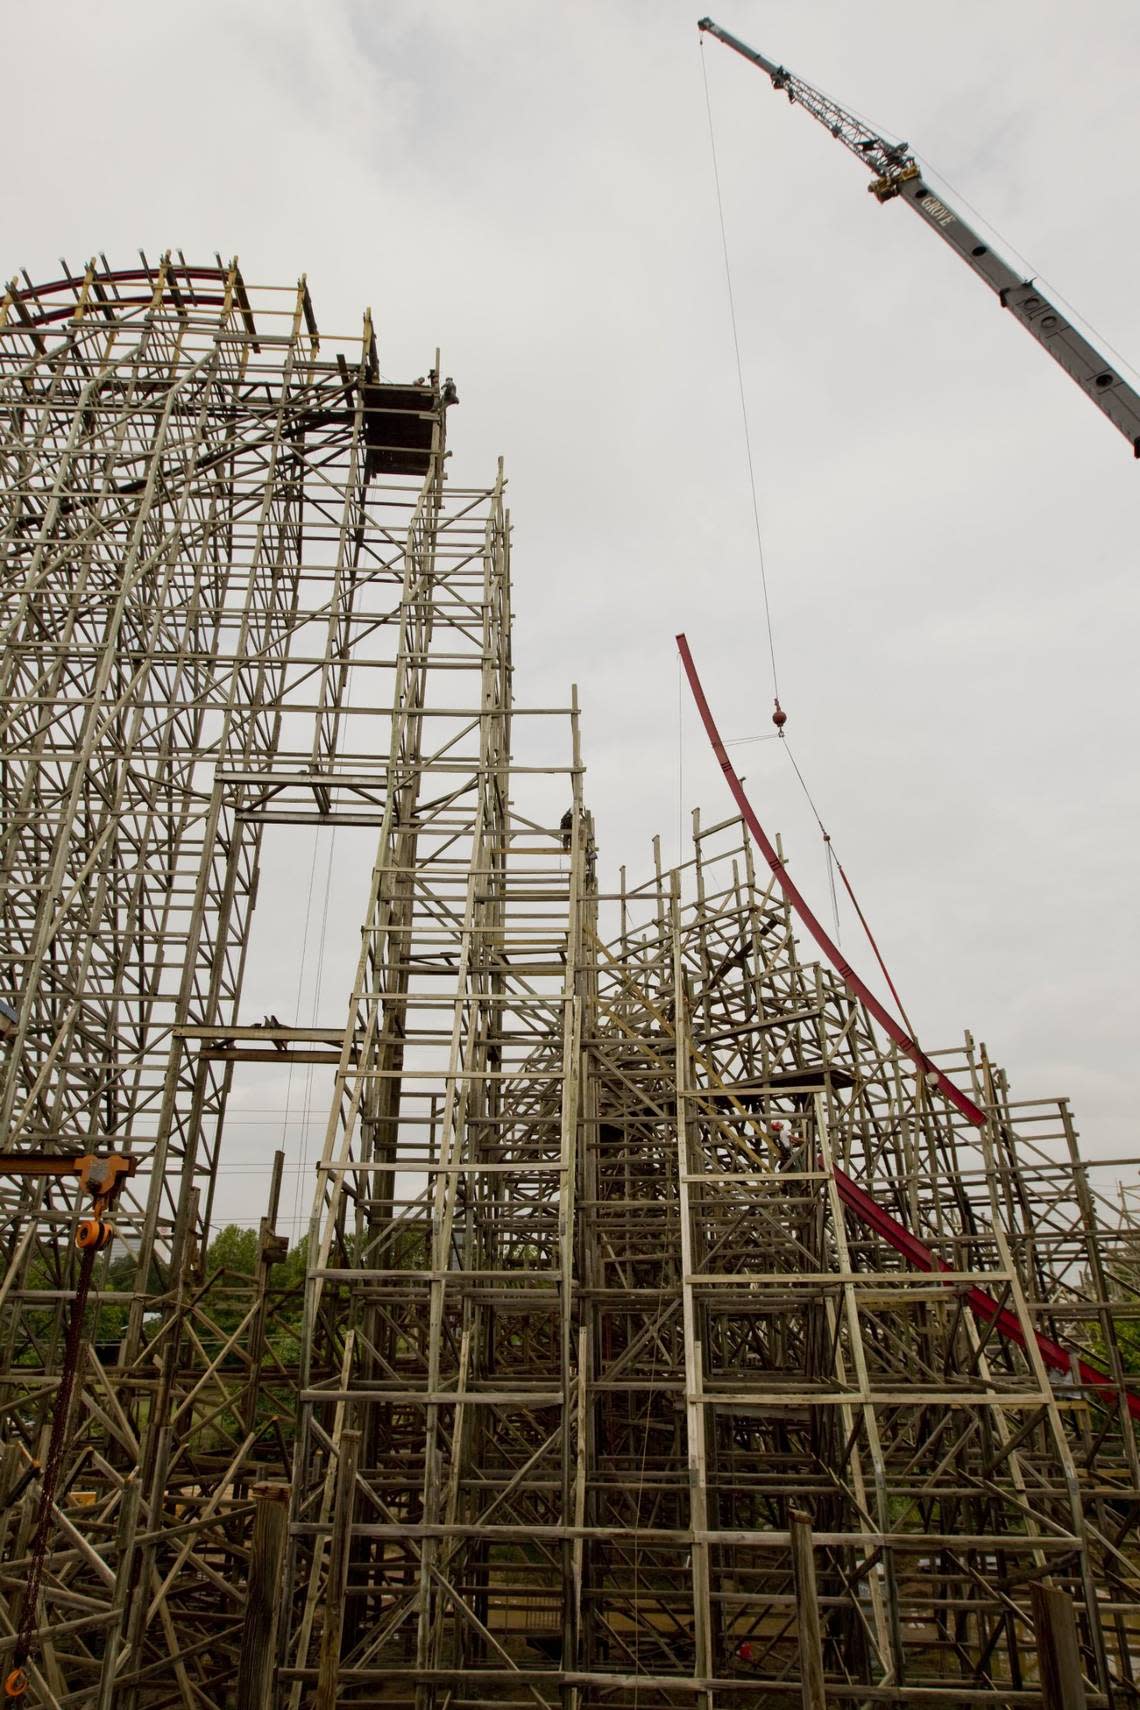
{"x": 12, "y": 1470}
{"x": 814, "y": 1696}
{"x": 1058, "y": 1648}
{"x": 120, "y": 1599}
{"x": 329, "y": 1664}
{"x": 263, "y": 1598}
{"x": 271, "y": 1249}
{"x": 689, "y": 1165}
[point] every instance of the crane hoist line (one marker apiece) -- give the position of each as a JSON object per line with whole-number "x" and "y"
{"x": 898, "y": 174}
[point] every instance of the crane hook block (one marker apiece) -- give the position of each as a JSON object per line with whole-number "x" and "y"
{"x": 93, "y": 1232}
{"x": 15, "y": 1683}
{"x": 779, "y": 717}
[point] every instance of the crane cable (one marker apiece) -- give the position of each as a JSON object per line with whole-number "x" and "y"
{"x": 835, "y": 863}
{"x": 16, "y": 1681}
{"x": 740, "y": 383}
{"x": 779, "y": 717}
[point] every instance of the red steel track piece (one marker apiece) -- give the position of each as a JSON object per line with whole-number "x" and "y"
{"x": 868, "y": 1210}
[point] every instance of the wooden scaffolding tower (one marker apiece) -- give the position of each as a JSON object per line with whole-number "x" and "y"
{"x": 600, "y": 1391}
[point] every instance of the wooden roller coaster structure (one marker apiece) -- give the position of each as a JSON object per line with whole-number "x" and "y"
{"x": 672, "y": 1332}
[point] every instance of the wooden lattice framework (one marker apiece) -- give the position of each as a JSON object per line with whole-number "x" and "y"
{"x": 598, "y": 1394}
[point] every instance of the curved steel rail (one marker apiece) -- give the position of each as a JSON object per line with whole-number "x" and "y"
{"x": 185, "y": 287}
{"x": 894, "y": 1030}
{"x": 855, "y": 1198}
{"x": 981, "y": 1304}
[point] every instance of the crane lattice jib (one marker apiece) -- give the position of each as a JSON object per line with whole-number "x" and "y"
{"x": 896, "y": 173}
{"x": 887, "y": 160}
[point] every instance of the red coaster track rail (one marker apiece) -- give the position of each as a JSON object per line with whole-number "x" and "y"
{"x": 856, "y": 1200}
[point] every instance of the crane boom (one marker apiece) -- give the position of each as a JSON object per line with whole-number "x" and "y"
{"x": 897, "y": 173}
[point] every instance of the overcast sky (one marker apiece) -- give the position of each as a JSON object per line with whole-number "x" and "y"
{"x": 949, "y": 525}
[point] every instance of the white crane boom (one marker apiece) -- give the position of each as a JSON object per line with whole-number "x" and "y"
{"x": 897, "y": 173}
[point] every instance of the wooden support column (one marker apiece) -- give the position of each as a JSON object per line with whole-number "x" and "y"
{"x": 814, "y": 1693}
{"x": 263, "y": 1598}
{"x": 689, "y": 1162}
{"x": 13, "y": 1471}
{"x": 329, "y": 1664}
{"x": 1058, "y": 1648}
{"x": 271, "y": 1249}
{"x": 120, "y": 1600}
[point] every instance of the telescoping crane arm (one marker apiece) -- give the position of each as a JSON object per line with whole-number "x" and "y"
{"x": 897, "y": 173}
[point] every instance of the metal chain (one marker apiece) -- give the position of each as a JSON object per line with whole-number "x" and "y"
{"x": 53, "y": 1461}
